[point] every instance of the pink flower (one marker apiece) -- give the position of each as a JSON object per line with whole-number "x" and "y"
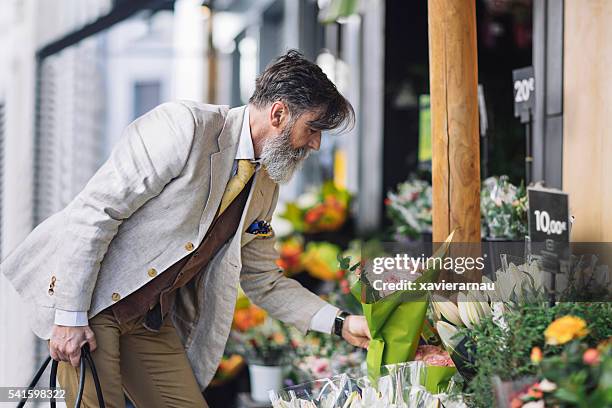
{"x": 433, "y": 356}
{"x": 591, "y": 357}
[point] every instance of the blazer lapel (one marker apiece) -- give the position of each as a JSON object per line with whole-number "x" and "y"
{"x": 234, "y": 251}
{"x": 220, "y": 166}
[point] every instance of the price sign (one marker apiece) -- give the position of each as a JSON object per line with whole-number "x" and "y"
{"x": 524, "y": 92}
{"x": 549, "y": 227}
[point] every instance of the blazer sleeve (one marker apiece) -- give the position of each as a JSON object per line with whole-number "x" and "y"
{"x": 265, "y": 284}
{"x": 152, "y": 151}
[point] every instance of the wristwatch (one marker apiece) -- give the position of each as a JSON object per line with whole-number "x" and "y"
{"x": 339, "y": 323}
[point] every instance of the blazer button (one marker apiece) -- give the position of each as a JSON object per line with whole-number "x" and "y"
{"x": 115, "y": 296}
{"x": 152, "y": 272}
{"x": 189, "y": 246}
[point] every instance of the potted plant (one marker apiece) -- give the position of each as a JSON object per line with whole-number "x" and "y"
{"x": 503, "y": 209}
{"x": 409, "y": 209}
{"x": 265, "y": 345}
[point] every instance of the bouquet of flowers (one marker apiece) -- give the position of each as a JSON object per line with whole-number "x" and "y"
{"x": 410, "y": 208}
{"x": 512, "y": 285}
{"x": 290, "y": 252}
{"x": 579, "y": 376}
{"x": 320, "y": 210}
{"x": 319, "y": 356}
{"x": 454, "y": 320}
{"x": 265, "y": 344}
{"x": 401, "y": 386}
{"x": 257, "y": 337}
{"x": 320, "y": 260}
{"x": 396, "y": 322}
{"x": 503, "y": 208}
{"x": 538, "y": 342}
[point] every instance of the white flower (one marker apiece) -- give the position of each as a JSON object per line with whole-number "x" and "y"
{"x": 281, "y": 227}
{"x": 482, "y": 301}
{"x": 307, "y": 200}
{"x": 547, "y": 386}
{"x": 446, "y": 332}
{"x": 447, "y": 309}
{"x": 470, "y": 310}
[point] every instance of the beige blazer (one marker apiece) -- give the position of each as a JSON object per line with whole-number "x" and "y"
{"x": 146, "y": 207}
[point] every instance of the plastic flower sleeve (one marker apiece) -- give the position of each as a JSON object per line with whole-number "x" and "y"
{"x": 396, "y": 321}
{"x": 326, "y": 393}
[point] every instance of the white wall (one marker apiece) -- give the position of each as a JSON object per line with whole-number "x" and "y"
{"x": 17, "y": 39}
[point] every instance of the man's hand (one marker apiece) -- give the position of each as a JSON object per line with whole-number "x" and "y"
{"x": 66, "y": 343}
{"x": 356, "y": 331}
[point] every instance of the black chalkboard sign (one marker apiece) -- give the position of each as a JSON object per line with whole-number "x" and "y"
{"x": 549, "y": 229}
{"x": 524, "y": 93}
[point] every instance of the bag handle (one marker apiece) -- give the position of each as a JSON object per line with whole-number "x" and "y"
{"x": 85, "y": 358}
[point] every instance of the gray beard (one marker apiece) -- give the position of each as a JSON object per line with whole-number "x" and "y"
{"x": 280, "y": 159}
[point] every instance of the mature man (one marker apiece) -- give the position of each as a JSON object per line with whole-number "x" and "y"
{"x": 145, "y": 262}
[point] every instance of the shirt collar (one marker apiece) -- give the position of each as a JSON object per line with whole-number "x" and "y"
{"x": 245, "y": 145}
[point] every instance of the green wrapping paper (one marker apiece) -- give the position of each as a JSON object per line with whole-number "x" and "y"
{"x": 438, "y": 378}
{"x": 396, "y": 323}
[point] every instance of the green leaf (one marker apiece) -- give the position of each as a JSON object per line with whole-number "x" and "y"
{"x": 566, "y": 395}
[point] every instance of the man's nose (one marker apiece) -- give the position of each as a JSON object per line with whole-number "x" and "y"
{"x": 315, "y": 143}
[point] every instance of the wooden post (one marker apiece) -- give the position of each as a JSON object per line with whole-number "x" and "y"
{"x": 453, "y": 73}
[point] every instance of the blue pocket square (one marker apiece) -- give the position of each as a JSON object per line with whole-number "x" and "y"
{"x": 260, "y": 228}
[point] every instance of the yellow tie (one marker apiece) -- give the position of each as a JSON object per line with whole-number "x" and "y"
{"x": 246, "y": 168}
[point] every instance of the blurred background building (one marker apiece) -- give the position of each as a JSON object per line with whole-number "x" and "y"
{"x": 74, "y": 73}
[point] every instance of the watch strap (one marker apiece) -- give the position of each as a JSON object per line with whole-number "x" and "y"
{"x": 339, "y": 323}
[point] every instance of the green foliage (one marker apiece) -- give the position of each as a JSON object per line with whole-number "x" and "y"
{"x": 505, "y": 352}
{"x": 579, "y": 384}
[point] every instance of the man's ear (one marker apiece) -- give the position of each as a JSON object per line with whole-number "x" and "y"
{"x": 278, "y": 114}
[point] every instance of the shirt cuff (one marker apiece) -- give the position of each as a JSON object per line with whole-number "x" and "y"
{"x": 72, "y": 319}
{"x": 323, "y": 320}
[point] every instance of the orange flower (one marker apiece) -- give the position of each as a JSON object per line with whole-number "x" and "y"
{"x": 314, "y": 214}
{"x": 565, "y": 329}
{"x": 290, "y": 253}
{"x": 591, "y": 357}
{"x": 516, "y": 403}
{"x": 231, "y": 363}
{"x": 534, "y": 391}
{"x": 249, "y": 317}
{"x": 279, "y": 338}
{"x": 329, "y": 215}
{"x": 536, "y": 355}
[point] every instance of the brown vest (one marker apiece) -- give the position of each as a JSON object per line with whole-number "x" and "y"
{"x": 156, "y": 297}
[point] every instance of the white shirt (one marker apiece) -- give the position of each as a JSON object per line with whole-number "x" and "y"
{"x": 322, "y": 321}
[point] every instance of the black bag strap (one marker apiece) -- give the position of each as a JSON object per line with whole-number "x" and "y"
{"x": 85, "y": 358}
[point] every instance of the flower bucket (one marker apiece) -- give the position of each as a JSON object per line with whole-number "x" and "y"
{"x": 264, "y": 379}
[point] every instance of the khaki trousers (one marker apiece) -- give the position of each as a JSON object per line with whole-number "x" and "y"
{"x": 151, "y": 368}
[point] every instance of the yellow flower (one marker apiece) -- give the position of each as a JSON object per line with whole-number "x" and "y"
{"x": 564, "y": 329}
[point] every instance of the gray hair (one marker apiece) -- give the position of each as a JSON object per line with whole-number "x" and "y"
{"x": 303, "y": 87}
